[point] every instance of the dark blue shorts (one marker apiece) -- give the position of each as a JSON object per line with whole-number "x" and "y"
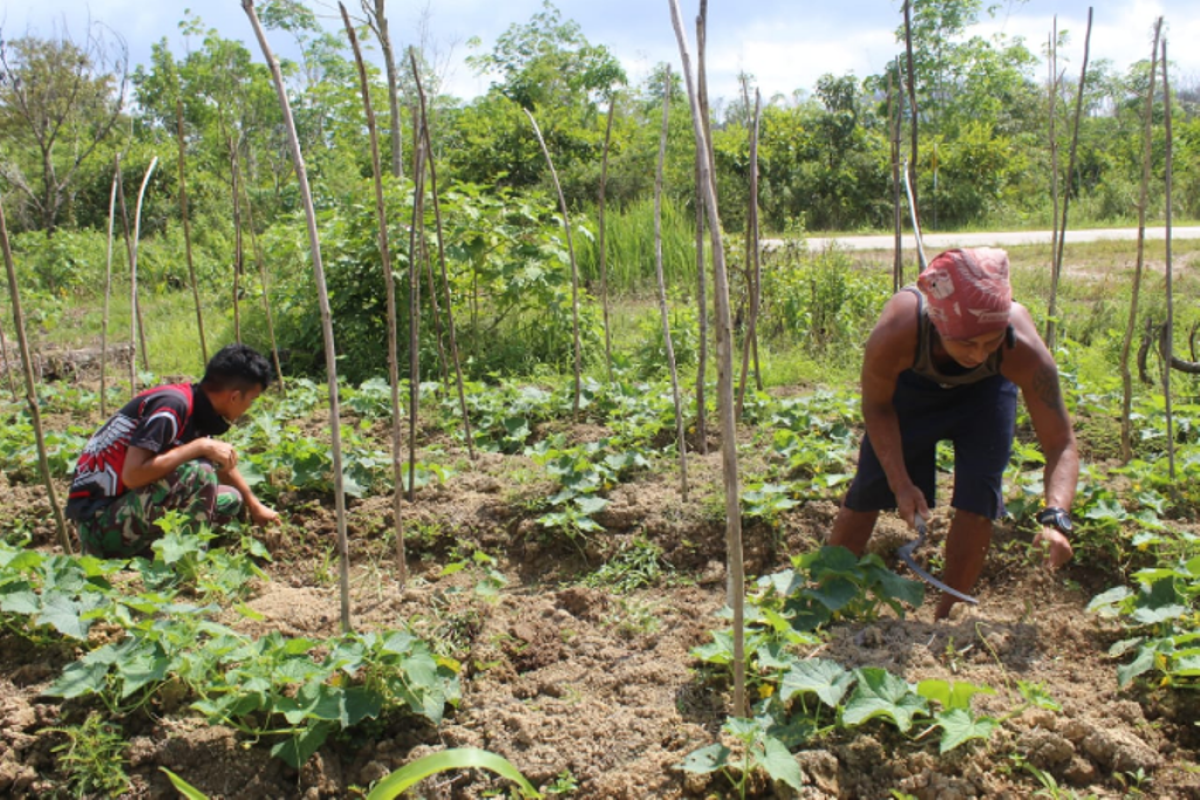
{"x": 977, "y": 419}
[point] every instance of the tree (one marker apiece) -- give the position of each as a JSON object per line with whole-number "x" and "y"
{"x": 59, "y": 100}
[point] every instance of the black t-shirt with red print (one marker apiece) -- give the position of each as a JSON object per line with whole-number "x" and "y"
{"x": 157, "y": 420}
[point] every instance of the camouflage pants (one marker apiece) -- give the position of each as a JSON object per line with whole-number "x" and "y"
{"x": 127, "y": 527}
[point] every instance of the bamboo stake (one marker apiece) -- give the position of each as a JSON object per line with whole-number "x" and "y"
{"x": 187, "y": 230}
{"x": 612, "y": 112}
{"x": 1052, "y": 312}
{"x": 431, "y": 285}
{"x": 894, "y": 122}
{"x": 724, "y": 337}
{"x": 1052, "y": 68}
{"x": 238, "y": 250}
{"x": 335, "y": 426}
{"x": 380, "y": 25}
{"x": 912, "y": 102}
{"x": 753, "y": 268}
{"x": 662, "y": 289}
{"x": 415, "y": 229}
{"x": 112, "y": 204}
{"x": 1169, "y": 334}
{"x": 562, "y": 206}
{"x": 701, "y": 285}
{"x": 441, "y": 240}
{"x": 134, "y": 313}
{"x": 133, "y": 260}
{"x": 385, "y": 257}
{"x": 261, "y": 261}
{"x": 30, "y": 393}
{"x": 1126, "y": 375}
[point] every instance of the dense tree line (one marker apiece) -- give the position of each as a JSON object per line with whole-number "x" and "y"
{"x": 69, "y": 108}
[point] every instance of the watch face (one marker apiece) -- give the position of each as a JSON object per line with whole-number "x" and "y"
{"x": 1062, "y": 521}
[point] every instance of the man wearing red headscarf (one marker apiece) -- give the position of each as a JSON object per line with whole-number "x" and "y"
{"x": 944, "y": 362}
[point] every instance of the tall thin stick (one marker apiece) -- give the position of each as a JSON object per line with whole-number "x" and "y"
{"x": 1052, "y": 312}
{"x": 261, "y": 261}
{"x": 1052, "y": 102}
{"x": 1169, "y": 334}
{"x": 441, "y": 240}
{"x": 601, "y": 244}
{"x": 416, "y": 236}
{"x": 894, "y": 123}
{"x": 30, "y": 393}
{"x": 753, "y": 268}
{"x": 680, "y": 425}
{"x": 566, "y": 218}
{"x": 1143, "y": 201}
{"x": 187, "y": 227}
{"x": 133, "y": 261}
{"x": 238, "y": 250}
{"x": 701, "y": 285}
{"x": 314, "y": 239}
{"x": 385, "y": 257}
{"x": 379, "y": 24}
{"x": 112, "y": 205}
{"x": 912, "y": 102}
{"x": 729, "y": 460}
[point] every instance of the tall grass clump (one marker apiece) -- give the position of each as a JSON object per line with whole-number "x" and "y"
{"x": 629, "y": 240}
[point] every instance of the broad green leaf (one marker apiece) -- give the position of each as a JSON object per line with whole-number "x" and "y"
{"x": 458, "y": 758}
{"x": 63, "y": 613}
{"x": 141, "y": 670}
{"x": 881, "y": 694}
{"x": 24, "y": 602}
{"x": 827, "y": 679}
{"x": 77, "y": 680}
{"x": 780, "y": 764}
{"x": 358, "y": 703}
{"x": 835, "y": 594}
{"x": 956, "y": 694}
{"x": 958, "y": 726}
{"x": 591, "y": 504}
{"x": 706, "y": 759}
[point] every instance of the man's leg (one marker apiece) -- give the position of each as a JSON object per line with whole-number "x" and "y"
{"x": 128, "y": 526}
{"x": 852, "y": 529}
{"x": 966, "y": 549}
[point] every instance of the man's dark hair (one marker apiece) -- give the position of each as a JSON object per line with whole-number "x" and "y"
{"x": 236, "y": 366}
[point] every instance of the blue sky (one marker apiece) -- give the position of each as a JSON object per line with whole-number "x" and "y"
{"x": 785, "y": 44}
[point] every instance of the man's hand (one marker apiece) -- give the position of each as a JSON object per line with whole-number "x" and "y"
{"x": 910, "y": 501}
{"x": 1054, "y": 545}
{"x": 221, "y": 454}
{"x": 262, "y": 515}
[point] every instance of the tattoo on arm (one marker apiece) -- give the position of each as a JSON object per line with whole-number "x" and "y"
{"x": 1045, "y": 387}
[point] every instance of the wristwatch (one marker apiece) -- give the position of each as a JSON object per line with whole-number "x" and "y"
{"x": 1056, "y": 518}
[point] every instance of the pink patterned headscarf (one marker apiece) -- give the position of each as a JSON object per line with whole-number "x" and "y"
{"x": 968, "y": 292}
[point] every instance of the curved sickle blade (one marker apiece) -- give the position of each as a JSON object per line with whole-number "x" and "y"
{"x": 905, "y": 552}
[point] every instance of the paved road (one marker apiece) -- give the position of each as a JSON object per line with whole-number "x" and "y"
{"x": 936, "y": 242}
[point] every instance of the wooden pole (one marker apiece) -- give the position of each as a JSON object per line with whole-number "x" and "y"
{"x": 724, "y": 337}
{"x": 1052, "y": 312}
{"x": 112, "y": 205}
{"x": 385, "y": 257}
{"x": 187, "y": 228}
{"x": 753, "y": 268}
{"x": 416, "y": 234}
{"x": 30, "y": 392}
{"x": 314, "y": 239}
{"x": 380, "y": 25}
{"x": 1168, "y": 344}
{"x": 701, "y": 284}
{"x": 680, "y": 426}
{"x": 912, "y": 103}
{"x": 261, "y": 261}
{"x": 441, "y": 240}
{"x": 1052, "y": 103}
{"x": 1126, "y": 375}
{"x": 133, "y": 261}
{"x": 612, "y": 112}
{"x": 238, "y": 250}
{"x": 894, "y": 122}
{"x": 566, "y": 218}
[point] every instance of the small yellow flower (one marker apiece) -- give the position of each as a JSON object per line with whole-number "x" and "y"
{"x": 765, "y": 690}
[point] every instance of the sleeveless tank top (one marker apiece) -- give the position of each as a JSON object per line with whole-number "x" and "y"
{"x": 924, "y": 364}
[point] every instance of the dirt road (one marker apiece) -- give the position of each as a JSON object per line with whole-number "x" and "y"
{"x": 936, "y": 242}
